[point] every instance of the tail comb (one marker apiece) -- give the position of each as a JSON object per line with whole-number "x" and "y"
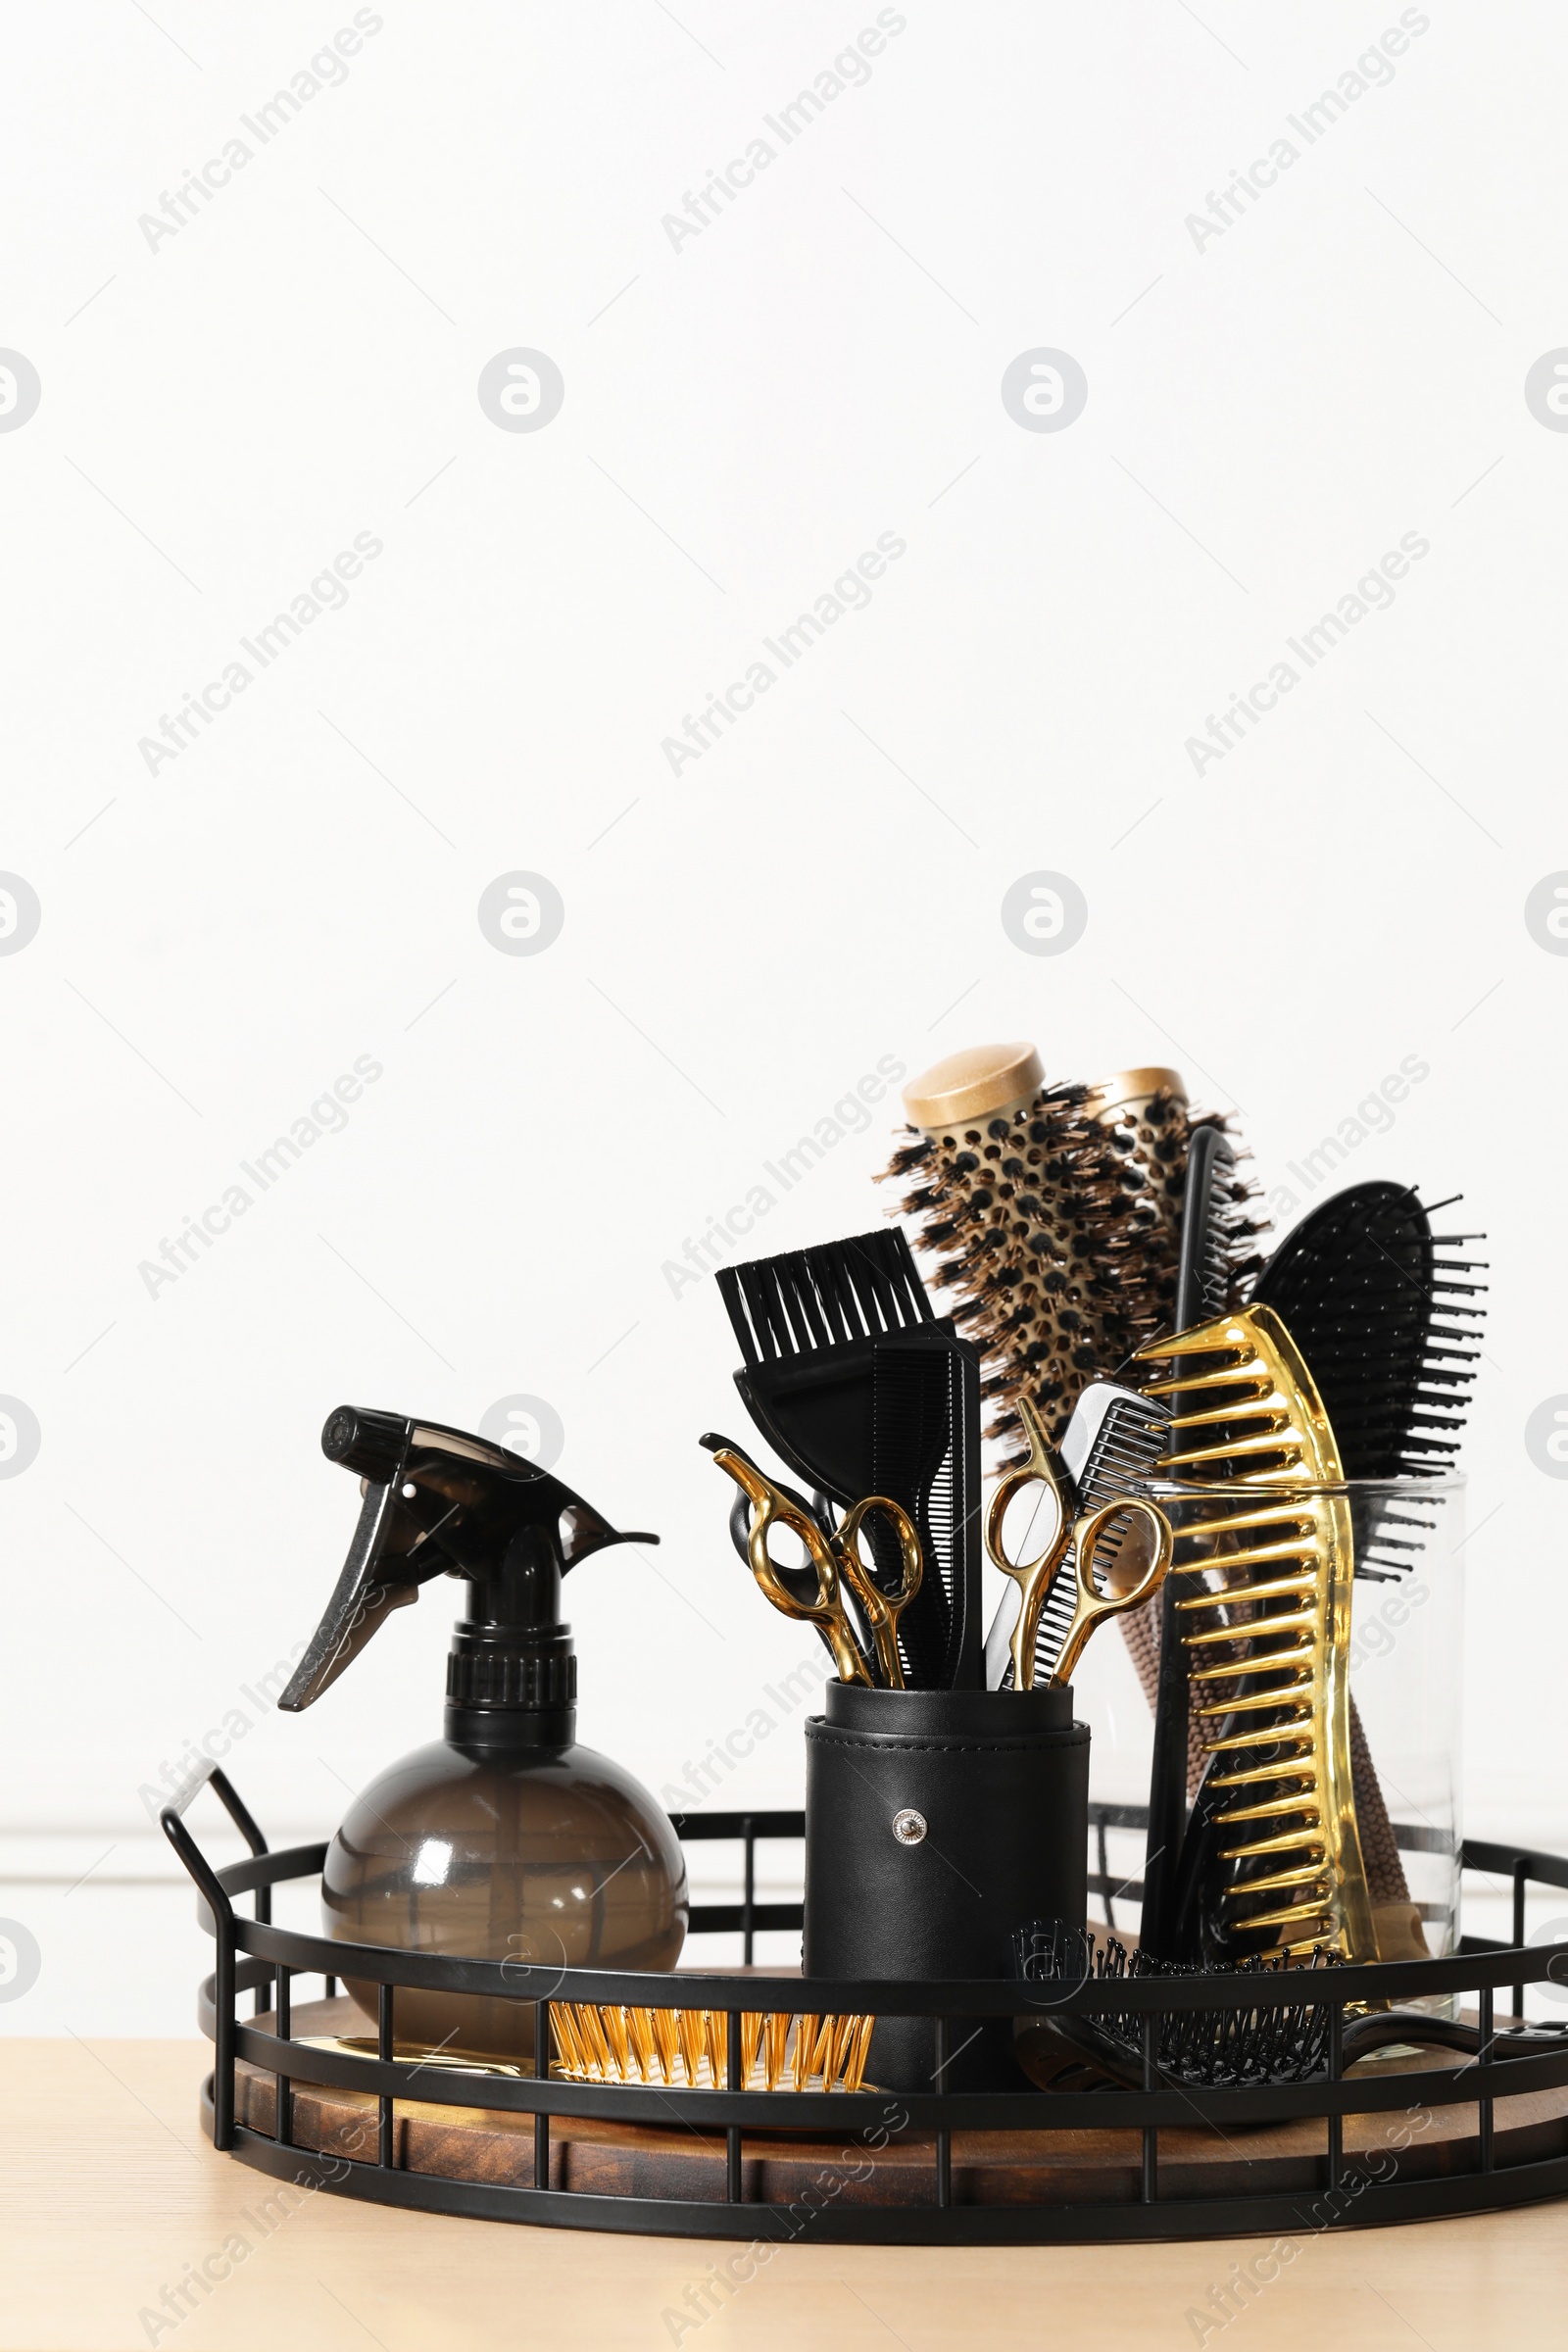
{"x": 926, "y": 1455}
{"x": 1203, "y": 1282}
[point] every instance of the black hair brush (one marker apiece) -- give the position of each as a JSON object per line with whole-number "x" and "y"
{"x": 1203, "y": 2049}
{"x": 1375, "y": 1300}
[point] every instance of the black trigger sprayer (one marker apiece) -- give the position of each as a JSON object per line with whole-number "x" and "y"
{"x": 505, "y": 1838}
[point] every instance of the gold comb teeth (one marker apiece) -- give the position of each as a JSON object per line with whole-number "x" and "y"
{"x": 1270, "y": 1645}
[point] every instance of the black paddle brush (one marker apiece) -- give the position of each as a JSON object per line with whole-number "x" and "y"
{"x": 1377, "y": 1302}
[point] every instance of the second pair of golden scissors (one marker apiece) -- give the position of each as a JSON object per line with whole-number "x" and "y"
{"x": 1035, "y": 1576}
{"x": 834, "y": 1562}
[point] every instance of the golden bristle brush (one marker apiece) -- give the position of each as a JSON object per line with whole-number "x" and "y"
{"x": 688, "y": 2050}
{"x": 1271, "y": 1644}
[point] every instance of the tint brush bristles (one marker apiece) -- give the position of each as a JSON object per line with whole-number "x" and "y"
{"x": 830, "y": 1296}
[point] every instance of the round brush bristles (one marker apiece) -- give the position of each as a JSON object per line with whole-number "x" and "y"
{"x": 1056, "y": 1230}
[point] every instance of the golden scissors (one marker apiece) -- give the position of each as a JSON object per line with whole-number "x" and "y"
{"x": 834, "y": 1562}
{"x": 1035, "y": 1576}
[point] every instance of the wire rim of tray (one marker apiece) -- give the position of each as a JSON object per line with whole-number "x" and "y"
{"x": 253, "y": 1952}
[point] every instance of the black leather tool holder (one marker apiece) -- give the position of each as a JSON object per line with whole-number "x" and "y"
{"x": 936, "y": 1823}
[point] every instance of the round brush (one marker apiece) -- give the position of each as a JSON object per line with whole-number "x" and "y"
{"x": 1053, "y": 1214}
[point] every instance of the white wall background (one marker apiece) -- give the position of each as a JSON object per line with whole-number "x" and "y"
{"x": 222, "y": 414}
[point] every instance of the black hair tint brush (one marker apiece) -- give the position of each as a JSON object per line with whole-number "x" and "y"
{"x": 862, "y": 1390}
{"x": 806, "y": 1322}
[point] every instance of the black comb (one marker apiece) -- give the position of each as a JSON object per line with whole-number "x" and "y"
{"x": 1377, "y": 1302}
{"x": 806, "y": 1323}
{"x": 1203, "y": 1279}
{"x": 926, "y": 1455}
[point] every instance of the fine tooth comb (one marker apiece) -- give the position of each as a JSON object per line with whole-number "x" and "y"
{"x": 1280, "y": 1710}
{"x": 926, "y": 1455}
{"x": 1113, "y": 1445}
{"x": 1203, "y": 1281}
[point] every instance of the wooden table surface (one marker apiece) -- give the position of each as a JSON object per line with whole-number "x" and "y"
{"x": 110, "y": 2193}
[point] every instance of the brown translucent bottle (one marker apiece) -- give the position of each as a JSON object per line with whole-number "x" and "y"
{"x": 505, "y": 1840}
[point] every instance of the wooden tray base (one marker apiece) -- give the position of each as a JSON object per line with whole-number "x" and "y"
{"x": 990, "y": 2168}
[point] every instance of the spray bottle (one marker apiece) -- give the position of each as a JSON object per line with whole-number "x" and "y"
{"x": 505, "y": 1840}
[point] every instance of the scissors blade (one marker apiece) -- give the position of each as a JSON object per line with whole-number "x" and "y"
{"x": 1092, "y": 1606}
{"x": 879, "y": 1607}
{"x": 1081, "y": 1441}
{"x": 1048, "y": 1467}
{"x": 815, "y": 1592}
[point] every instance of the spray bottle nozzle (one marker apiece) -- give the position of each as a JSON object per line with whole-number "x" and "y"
{"x": 371, "y": 1445}
{"x": 438, "y": 1501}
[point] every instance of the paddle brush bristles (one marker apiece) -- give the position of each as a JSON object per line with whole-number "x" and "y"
{"x": 1379, "y": 1305}
{"x": 1377, "y": 1302}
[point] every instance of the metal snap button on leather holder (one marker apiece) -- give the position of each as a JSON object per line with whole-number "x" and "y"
{"x": 908, "y": 1826}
